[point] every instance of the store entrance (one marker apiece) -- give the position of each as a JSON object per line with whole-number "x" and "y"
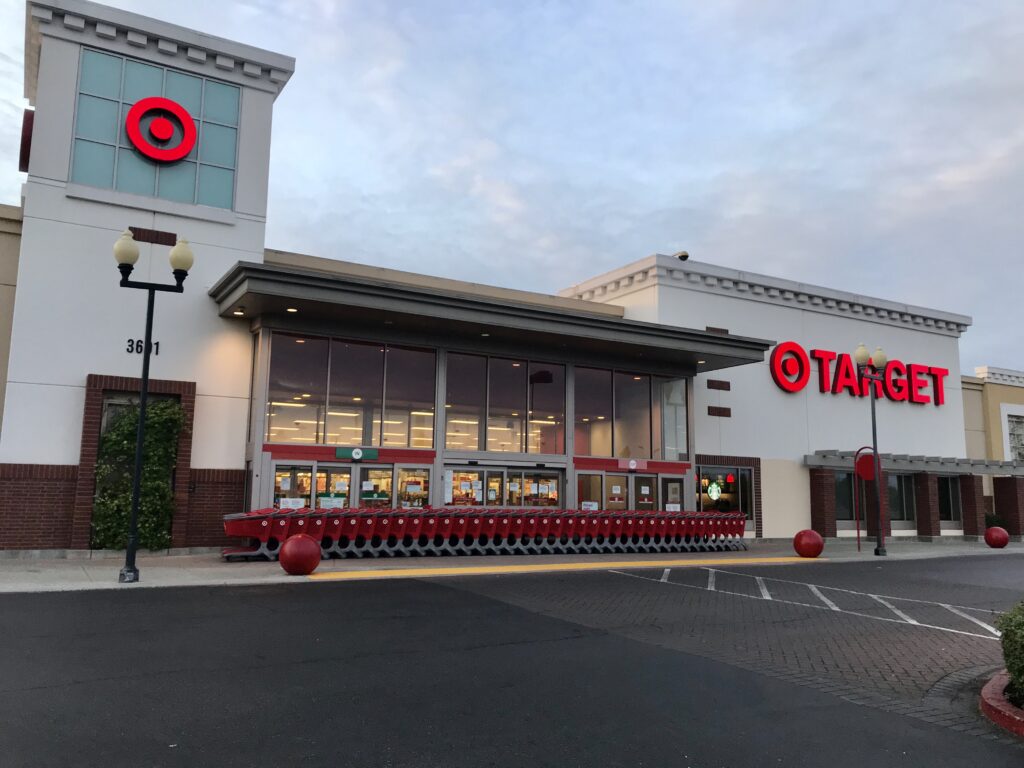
{"x": 336, "y": 486}
{"x": 639, "y": 492}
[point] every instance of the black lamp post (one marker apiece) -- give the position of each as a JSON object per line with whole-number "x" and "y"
{"x": 126, "y": 251}
{"x": 871, "y": 368}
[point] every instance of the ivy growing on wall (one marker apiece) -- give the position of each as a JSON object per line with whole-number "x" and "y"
{"x": 115, "y": 467}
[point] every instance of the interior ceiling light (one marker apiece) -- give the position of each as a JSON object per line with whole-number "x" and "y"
{"x": 292, "y": 310}
{"x": 300, "y": 341}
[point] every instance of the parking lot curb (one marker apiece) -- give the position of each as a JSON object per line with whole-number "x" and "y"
{"x": 996, "y": 708}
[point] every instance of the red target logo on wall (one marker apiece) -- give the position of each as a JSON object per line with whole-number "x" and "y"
{"x": 790, "y": 366}
{"x": 154, "y": 142}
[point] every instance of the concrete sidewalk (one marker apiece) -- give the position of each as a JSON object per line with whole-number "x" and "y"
{"x": 42, "y": 574}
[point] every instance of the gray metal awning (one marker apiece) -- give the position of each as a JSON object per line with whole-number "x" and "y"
{"x": 939, "y": 465}
{"x": 338, "y": 303}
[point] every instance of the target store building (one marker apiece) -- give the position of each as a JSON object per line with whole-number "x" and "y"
{"x": 310, "y": 381}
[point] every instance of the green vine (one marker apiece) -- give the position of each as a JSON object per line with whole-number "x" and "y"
{"x": 115, "y": 466}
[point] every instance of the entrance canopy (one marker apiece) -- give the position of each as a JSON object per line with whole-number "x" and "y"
{"x": 323, "y": 295}
{"x": 938, "y": 465}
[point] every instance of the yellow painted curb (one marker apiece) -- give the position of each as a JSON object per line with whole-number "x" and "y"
{"x": 487, "y": 570}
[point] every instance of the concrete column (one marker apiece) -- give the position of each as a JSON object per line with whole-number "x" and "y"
{"x": 972, "y": 504}
{"x": 926, "y": 504}
{"x": 1008, "y": 501}
{"x": 823, "y": 501}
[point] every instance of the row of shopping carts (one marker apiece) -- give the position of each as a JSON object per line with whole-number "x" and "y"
{"x": 366, "y": 532}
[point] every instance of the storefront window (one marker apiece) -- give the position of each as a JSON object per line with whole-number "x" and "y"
{"x": 589, "y": 493}
{"x": 541, "y": 489}
{"x": 409, "y": 398}
{"x": 670, "y": 419}
{"x": 332, "y": 487}
{"x": 495, "y": 488}
{"x": 645, "y": 490}
{"x": 672, "y": 493}
{"x": 632, "y": 433}
{"x": 592, "y": 397}
{"x": 465, "y": 401}
{"x": 726, "y": 489}
{"x": 292, "y": 486}
{"x": 949, "y": 499}
{"x": 356, "y": 388}
{"x": 413, "y": 488}
{"x": 547, "y": 408}
{"x": 514, "y": 484}
{"x": 844, "y": 496}
{"x": 506, "y": 410}
{"x": 463, "y": 488}
{"x": 375, "y": 487}
{"x": 297, "y": 391}
{"x": 901, "y": 497}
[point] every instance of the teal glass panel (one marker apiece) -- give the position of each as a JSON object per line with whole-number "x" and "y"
{"x": 217, "y": 145}
{"x": 101, "y": 74}
{"x": 221, "y": 103}
{"x": 216, "y": 186}
{"x": 178, "y": 182}
{"x": 135, "y": 174}
{"x": 96, "y": 119}
{"x": 142, "y": 81}
{"x": 93, "y": 164}
{"x": 186, "y": 90}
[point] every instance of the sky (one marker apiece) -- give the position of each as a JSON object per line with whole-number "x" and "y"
{"x": 875, "y": 147}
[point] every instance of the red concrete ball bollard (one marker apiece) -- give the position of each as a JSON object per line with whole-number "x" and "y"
{"x": 997, "y": 537}
{"x": 300, "y": 555}
{"x": 808, "y": 543}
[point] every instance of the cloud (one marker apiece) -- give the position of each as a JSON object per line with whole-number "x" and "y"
{"x": 872, "y": 146}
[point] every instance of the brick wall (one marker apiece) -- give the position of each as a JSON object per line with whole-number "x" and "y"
{"x": 870, "y": 511}
{"x": 926, "y": 504}
{"x": 36, "y": 505}
{"x": 214, "y": 493}
{"x": 1008, "y": 498}
{"x": 823, "y": 501}
{"x": 972, "y": 505}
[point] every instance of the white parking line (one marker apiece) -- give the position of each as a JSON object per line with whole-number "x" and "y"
{"x": 711, "y": 588}
{"x": 817, "y": 593}
{"x": 665, "y": 573}
{"x": 764, "y": 589}
{"x": 967, "y": 616}
{"x": 894, "y": 609}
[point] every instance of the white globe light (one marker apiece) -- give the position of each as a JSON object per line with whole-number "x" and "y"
{"x": 182, "y": 257}
{"x": 126, "y": 250}
{"x": 861, "y": 354}
{"x": 878, "y": 359}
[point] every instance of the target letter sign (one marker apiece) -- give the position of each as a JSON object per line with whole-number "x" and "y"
{"x": 790, "y": 365}
{"x": 153, "y": 142}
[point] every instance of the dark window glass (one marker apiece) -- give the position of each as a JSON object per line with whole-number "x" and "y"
{"x": 465, "y": 401}
{"x": 844, "y": 496}
{"x": 506, "y": 405}
{"x": 297, "y": 389}
{"x": 901, "y": 497}
{"x": 949, "y": 499}
{"x": 356, "y": 389}
{"x": 592, "y": 397}
{"x": 719, "y": 489}
{"x": 632, "y": 434}
{"x": 409, "y": 398}
{"x": 547, "y": 408}
{"x": 747, "y": 492}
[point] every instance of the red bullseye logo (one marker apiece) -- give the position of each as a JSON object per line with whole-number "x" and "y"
{"x": 161, "y": 129}
{"x": 790, "y": 366}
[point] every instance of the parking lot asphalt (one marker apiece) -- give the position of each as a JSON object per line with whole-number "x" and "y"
{"x": 839, "y": 664}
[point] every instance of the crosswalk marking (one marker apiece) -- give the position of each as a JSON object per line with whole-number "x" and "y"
{"x": 817, "y": 593}
{"x": 764, "y": 589}
{"x": 894, "y": 609}
{"x": 825, "y": 604}
{"x": 967, "y": 616}
{"x": 665, "y": 573}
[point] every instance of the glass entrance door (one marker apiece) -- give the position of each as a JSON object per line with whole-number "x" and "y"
{"x": 332, "y": 487}
{"x": 292, "y": 486}
{"x": 672, "y": 494}
{"x": 616, "y": 492}
{"x": 644, "y": 492}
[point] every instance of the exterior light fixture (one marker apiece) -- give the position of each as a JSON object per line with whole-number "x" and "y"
{"x": 293, "y": 310}
{"x": 126, "y": 254}
{"x": 701, "y": 362}
{"x": 871, "y": 369}
{"x": 239, "y": 312}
